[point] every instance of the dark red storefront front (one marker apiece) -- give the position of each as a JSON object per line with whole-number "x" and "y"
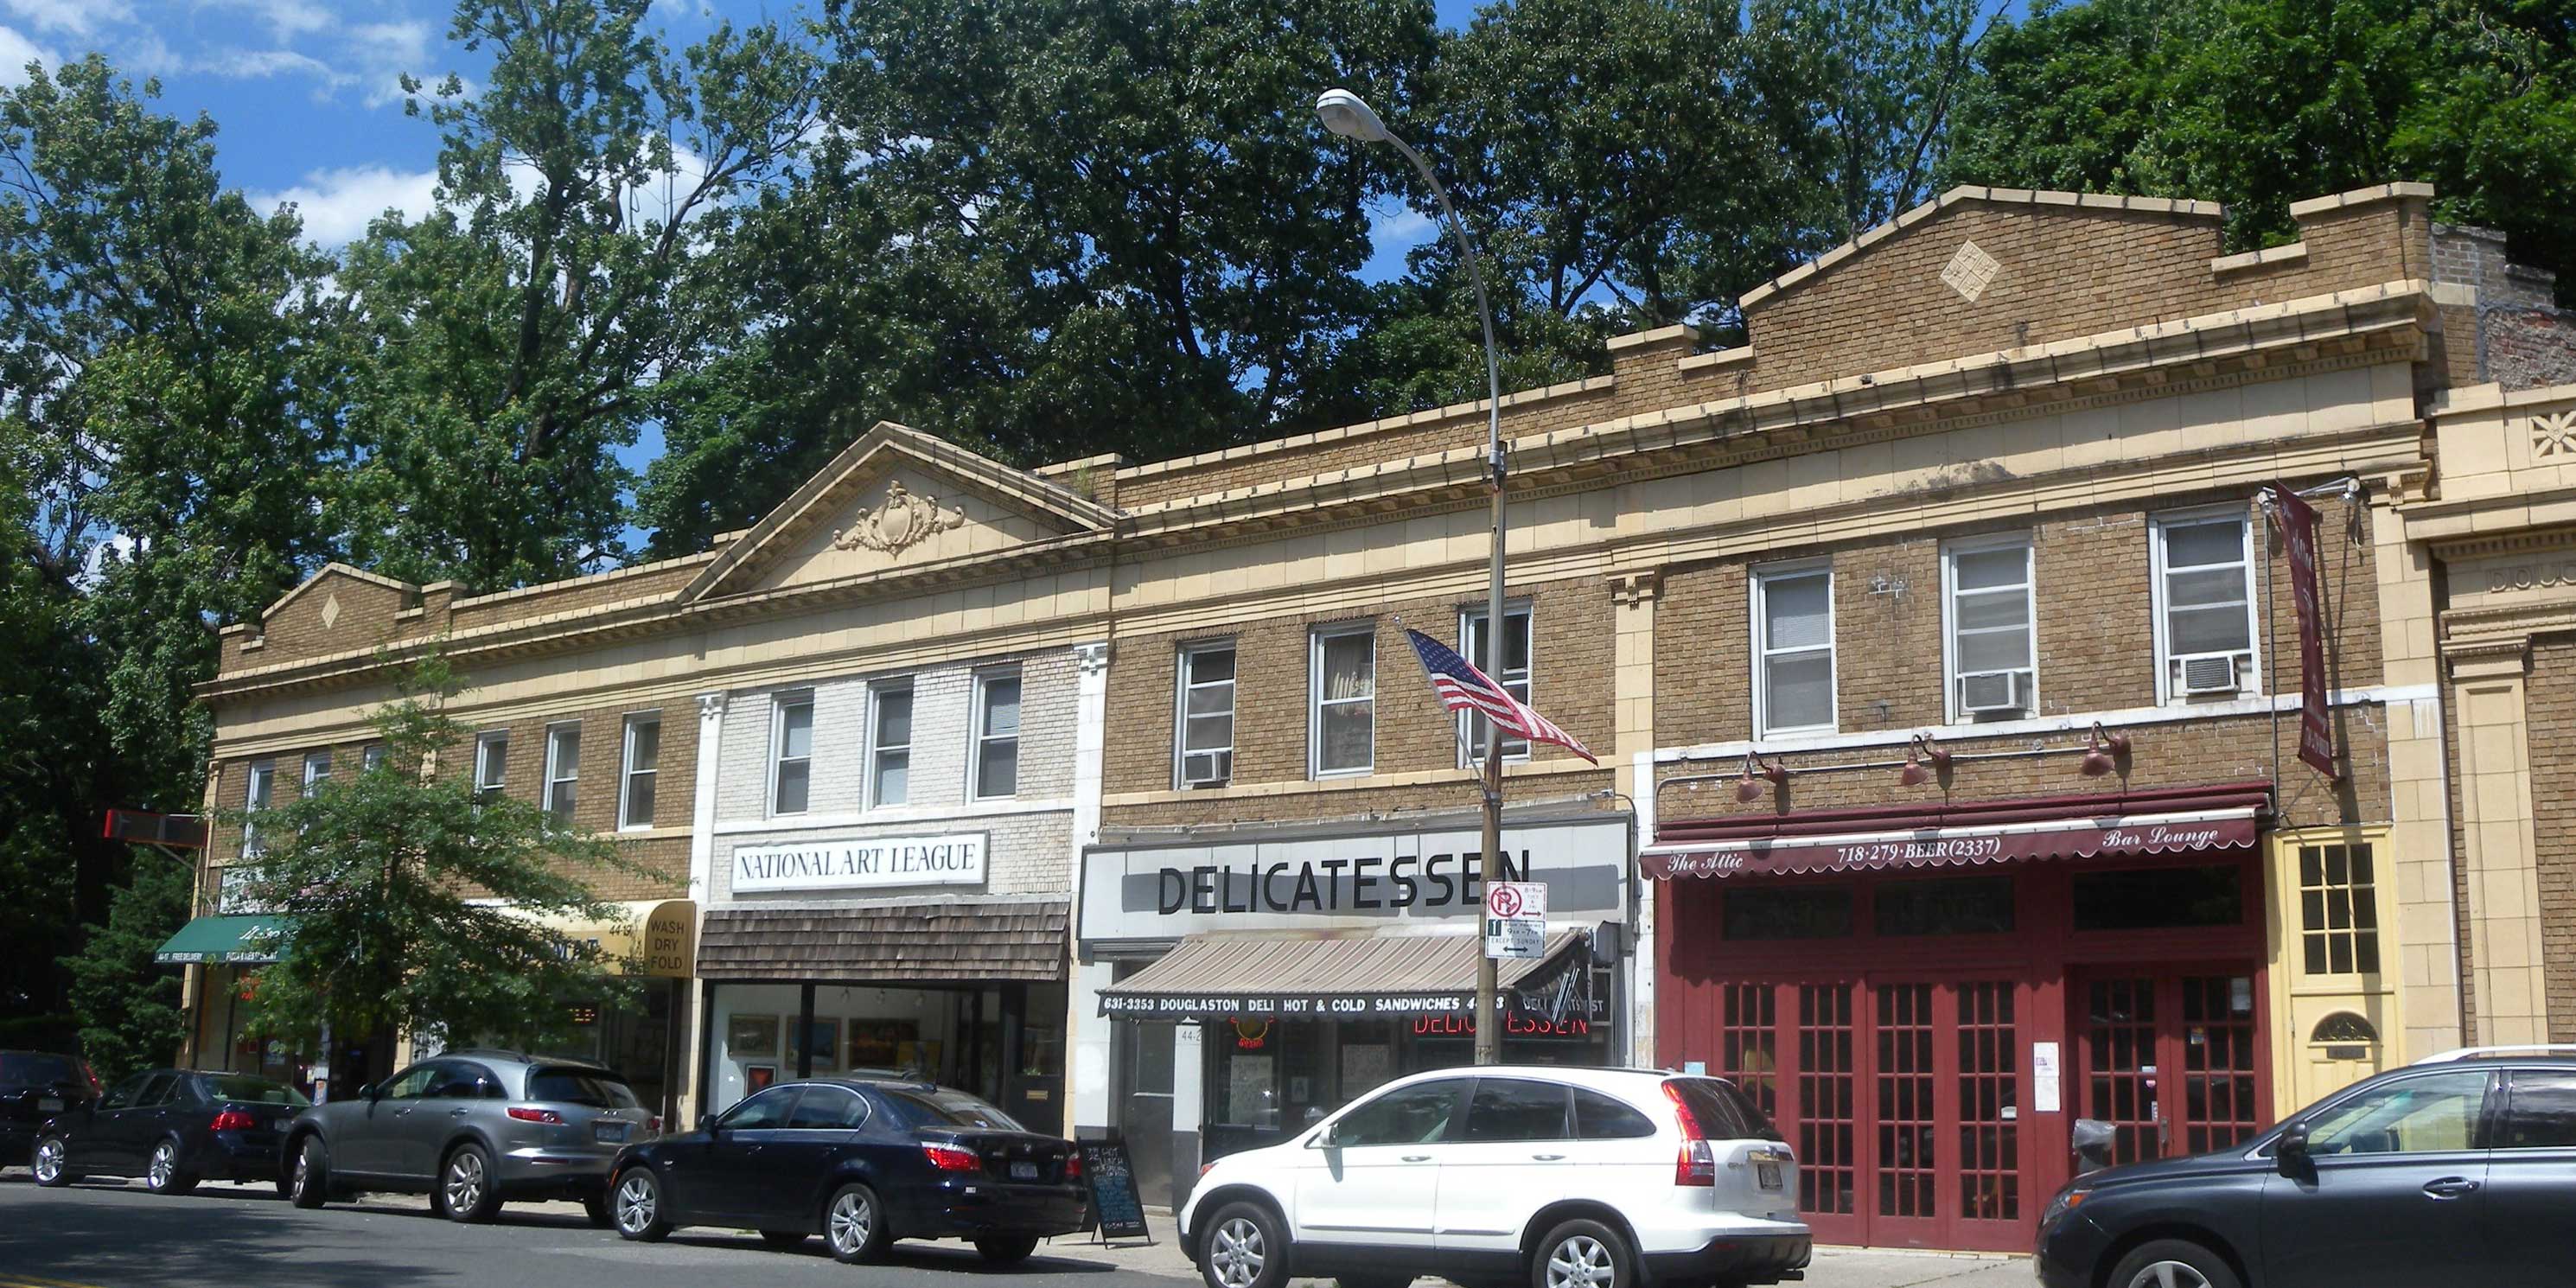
{"x": 1887, "y": 983}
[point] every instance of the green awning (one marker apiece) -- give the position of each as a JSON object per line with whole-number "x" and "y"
{"x": 225, "y": 939}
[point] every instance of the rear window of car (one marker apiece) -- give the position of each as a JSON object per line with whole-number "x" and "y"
{"x": 592, "y": 1087}
{"x": 945, "y": 1108}
{"x": 253, "y": 1091}
{"x": 1723, "y": 1112}
{"x": 26, "y": 1069}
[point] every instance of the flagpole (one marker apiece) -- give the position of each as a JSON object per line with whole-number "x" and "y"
{"x": 1345, "y": 114}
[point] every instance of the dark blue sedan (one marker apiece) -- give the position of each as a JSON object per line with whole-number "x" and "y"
{"x": 861, "y": 1162}
{"x": 173, "y": 1128}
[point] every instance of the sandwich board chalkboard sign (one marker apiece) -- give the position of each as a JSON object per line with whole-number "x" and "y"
{"x": 1112, "y": 1182}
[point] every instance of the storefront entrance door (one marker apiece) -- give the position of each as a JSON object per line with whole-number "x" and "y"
{"x": 2168, "y": 1059}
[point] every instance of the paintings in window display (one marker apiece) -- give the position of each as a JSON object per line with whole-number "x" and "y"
{"x": 752, "y": 1037}
{"x": 884, "y": 1044}
{"x": 824, "y": 1040}
{"x": 756, "y": 1078}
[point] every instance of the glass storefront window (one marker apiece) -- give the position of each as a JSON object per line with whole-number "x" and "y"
{"x": 1789, "y": 912}
{"x": 1952, "y": 906}
{"x": 2160, "y": 898}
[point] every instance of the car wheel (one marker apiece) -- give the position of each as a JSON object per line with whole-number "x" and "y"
{"x": 163, "y": 1175}
{"x": 53, "y": 1162}
{"x": 467, "y": 1190}
{"x": 854, "y": 1224}
{"x": 308, "y": 1179}
{"x": 636, "y": 1199}
{"x": 1245, "y": 1248}
{"x": 2173, "y": 1263}
{"x": 1007, "y": 1250}
{"x": 596, "y": 1206}
{"x": 784, "y": 1238}
{"x": 1583, "y": 1254}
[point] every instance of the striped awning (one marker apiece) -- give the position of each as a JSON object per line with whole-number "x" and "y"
{"x": 1291, "y": 976}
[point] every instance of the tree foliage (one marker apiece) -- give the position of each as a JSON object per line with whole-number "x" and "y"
{"x": 412, "y": 906}
{"x": 128, "y": 1004}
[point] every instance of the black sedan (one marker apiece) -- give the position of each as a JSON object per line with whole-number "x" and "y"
{"x": 862, "y": 1162}
{"x": 2456, "y": 1170}
{"x": 35, "y": 1086}
{"x": 173, "y": 1128}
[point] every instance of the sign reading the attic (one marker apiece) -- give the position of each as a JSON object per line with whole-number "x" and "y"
{"x": 863, "y": 863}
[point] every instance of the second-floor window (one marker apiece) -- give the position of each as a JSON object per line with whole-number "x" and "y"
{"x": 890, "y": 743}
{"x": 1344, "y": 684}
{"x": 491, "y": 764}
{"x": 1793, "y": 650}
{"x": 643, "y": 770}
{"x": 1203, "y": 751}
{"x": 371, "y": 756}
{"x": 791, "y": 753}
{"x": 1991, "y": 653}
{"x": 317, "y": 771}
{"x": 2204, "y": 605}
{"x": 261, "y": 780}
{"x": 563, "y": 772}
{"x": 997, "y": 734}
{"x": 1515, "y": 675}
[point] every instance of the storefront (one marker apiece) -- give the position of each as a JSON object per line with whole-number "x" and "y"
{"x": 1256, "y": 981}
{"x": 1925, "y": 1000}
{"x": 641, "y": 1035}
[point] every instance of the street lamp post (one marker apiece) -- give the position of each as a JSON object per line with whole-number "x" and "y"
{"x": 1345, "y": 114}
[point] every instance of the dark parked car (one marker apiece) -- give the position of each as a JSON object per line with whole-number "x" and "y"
{"x": 2459, "y": 1169}
{"x": 173, "y": 1128}
{"x": 864, "y": 1163}
{"x": 471, "y": 1129}
{"x": 35, "y": 1086}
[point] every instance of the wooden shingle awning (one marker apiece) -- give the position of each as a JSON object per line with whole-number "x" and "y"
{"x": 926, "y": 942}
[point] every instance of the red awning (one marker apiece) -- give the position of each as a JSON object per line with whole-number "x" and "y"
{"x": 2157, "y": 821}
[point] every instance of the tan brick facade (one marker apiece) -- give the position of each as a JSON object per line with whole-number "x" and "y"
{"x": 2553, "y": 798}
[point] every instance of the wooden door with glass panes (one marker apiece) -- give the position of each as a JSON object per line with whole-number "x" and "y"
{"x": 2170, "y": 1059}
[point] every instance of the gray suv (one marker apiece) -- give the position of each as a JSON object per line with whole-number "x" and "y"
{"x": 470, "y": 1129}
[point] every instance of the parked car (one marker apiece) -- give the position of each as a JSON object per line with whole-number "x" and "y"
{"x": 34, "y": 1086}
{"x": 173, "y": 1128}
{"x": 1555, "y": 1177}
{"x": 471, "y": 1129}
{"x": 863, "y": 1162}
{"x": 2459, "y": 1169}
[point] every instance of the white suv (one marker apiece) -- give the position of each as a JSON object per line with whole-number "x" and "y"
{"x": 1552, "y": 1177}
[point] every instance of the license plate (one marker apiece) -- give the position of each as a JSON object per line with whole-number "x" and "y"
{"x": 1024, "y": 1171}
{"x": 49, "y": 1104}
{"x": 1766, "y": 1173}
{"x": 610, "y": 1133}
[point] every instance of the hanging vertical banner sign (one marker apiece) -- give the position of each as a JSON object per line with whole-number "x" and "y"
{"x": 2298, "y": 521}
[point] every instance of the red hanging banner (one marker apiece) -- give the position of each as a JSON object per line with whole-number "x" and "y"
{"x": 2298, "y": 521}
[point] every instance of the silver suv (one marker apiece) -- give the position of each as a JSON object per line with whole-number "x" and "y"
{"x": 470, "y": 1129}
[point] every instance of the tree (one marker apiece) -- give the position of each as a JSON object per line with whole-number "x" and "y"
{"x": 411, "y": 906}
{"x": 502, "y": 347}
{"x": 127, "y": 1004}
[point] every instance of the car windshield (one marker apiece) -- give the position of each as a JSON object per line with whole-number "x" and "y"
{"x": 24, "y": 1069}
{"x": 597, "y": 1088}
{"x": 253, "y": 1091}
{"x": 941, "y": 1107}
{"x": 1723, "y": 1112}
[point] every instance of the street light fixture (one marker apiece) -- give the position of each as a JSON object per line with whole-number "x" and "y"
{"x": 1346, "y": 114}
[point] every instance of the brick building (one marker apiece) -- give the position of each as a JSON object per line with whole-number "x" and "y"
{"x": 1938, "y": 644}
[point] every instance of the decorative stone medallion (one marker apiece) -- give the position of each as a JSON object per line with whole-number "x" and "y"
{"x": 1970, "y": 271}
{"x": 903, "y": 521}
{"x": 331, "y": 610}
{"x": 2553, "y": 436}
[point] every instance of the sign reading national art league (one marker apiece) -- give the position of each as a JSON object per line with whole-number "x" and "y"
{"x": 861, "y": 864}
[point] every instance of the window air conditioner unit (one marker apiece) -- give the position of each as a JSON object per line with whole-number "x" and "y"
{"x": 1989, "y": 692}
{"x": 2207, "y": 673}
{"x": 1206, "y": 768}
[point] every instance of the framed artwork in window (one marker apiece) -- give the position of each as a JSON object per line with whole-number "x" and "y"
{"x": 824, "y": 1040}
{"x": 752, "y": 1037}
{"x": 757, "y": 1077}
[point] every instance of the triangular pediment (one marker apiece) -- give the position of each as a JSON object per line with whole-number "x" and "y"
{"x": 898, "y": 500}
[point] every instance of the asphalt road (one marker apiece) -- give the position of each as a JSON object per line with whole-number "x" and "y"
{"x": 106, "y": 1235}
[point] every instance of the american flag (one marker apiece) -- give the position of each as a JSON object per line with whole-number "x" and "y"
{"x": 1461, "y": 687}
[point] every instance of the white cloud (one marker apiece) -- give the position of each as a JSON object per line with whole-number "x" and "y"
{"x": 338, "y": 204}
{"x": 74, "y": 17}
{"x": 16, "y": 52}
{"x": 259, "y": 64}
{"x": 1401, "y": 227}
{"x": 286, "y": 19}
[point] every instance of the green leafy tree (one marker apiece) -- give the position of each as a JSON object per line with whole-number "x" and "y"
{"x": 505, "y": 345}
{"x": 414, "y": 907}
{"x": 128, "y": 1004}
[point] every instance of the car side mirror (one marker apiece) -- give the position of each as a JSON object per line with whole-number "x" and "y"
{"x": 2290, "y": 1151}
{"x": 368, "y": 1091}
{"x": 707, "y": 1123}
{"x": 1328, "y": 1138}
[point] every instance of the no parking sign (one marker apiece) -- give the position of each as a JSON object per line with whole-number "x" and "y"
{"x": 1516, "y": 919}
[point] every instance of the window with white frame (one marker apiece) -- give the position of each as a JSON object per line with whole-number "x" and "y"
{"x": 261, "y": 781}
{"x": 563, "y": 772}
{"x": 371, "y": 756}
{"x": 491, "y": 764}
{"x": 996, "y": 763}
{"x": 1203, "y": 748}
{"x": 1793, "y": 650}
{"x": 1990, "y": 644}
{"x": 1515, "y": 675}
{"x": 1344, "y": 684}
{"x": 890, "y": 742}
{"x": 643, "y": 762}
{"x": 317, "y": 771}
{"x": 2204, "y": 593}
{"x": 791, "y": 752}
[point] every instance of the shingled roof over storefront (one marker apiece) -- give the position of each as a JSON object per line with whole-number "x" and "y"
{"x": 926, "y": 942}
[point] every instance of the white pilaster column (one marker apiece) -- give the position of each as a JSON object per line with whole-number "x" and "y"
{"x": 702, "y": 848}
{"x": 1088, "y": 1074}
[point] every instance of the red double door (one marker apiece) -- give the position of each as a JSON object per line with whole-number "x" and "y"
{"x": 1920, "y": 1116}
